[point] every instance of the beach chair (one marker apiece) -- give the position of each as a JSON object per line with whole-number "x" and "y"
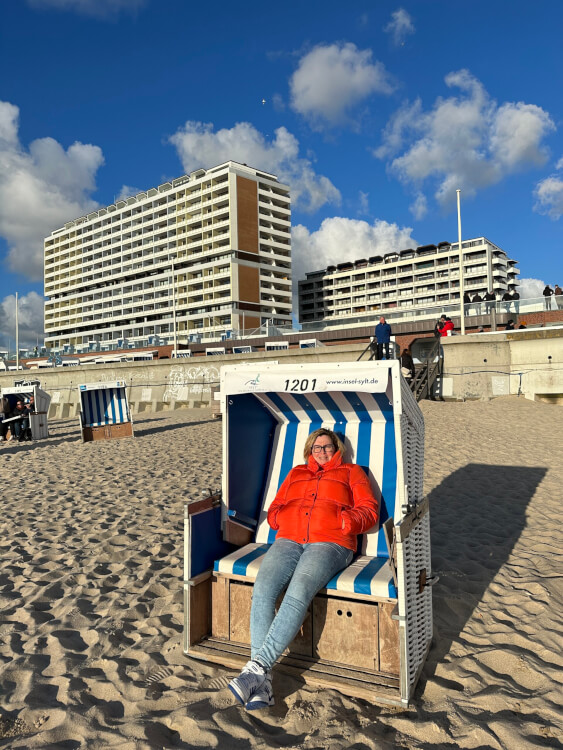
{"x": 38, "y": 421}
{"x": 104, "y": 411}
{"x": 368, "y": 632}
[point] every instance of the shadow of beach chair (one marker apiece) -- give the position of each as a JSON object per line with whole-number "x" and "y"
{"x": 368, "y": 631}
{"x": 104, "y": 411}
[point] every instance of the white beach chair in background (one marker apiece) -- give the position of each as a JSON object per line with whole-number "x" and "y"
{"x": 368, "y": 632}
{"x": 104, "y": 411}
{"x": 38, "y": 421}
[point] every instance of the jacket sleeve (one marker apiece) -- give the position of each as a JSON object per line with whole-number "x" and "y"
{"x": 278, "y": 501}
{"x": 365, "y": 512}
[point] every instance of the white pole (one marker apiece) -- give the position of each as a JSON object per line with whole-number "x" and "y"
{"x": 175, "y": 354}
{"x": 17, "y": 338}
{"x": 461, "y": 291}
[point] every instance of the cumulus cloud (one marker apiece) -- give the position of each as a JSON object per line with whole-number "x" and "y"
{"x": 198, "y": 145}
{"x": 332, "y": 79}
{"x": 400, "y": 26}
{"x": 339, "y": 239}
{"x": 30, "y": 320}
{"x": 549, "y": 195}
{"x": 40, "y": 189}
{"x": 467, "y": 141}
{"x": 96, "y": 8}
{"x": 530, "y": 288}
{"x": 419, "y": 207}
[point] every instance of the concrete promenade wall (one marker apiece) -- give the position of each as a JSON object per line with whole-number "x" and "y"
{"x": 486, "y": 365}
{"x": 162, "y": 385}
{"x": 476, "y": 366}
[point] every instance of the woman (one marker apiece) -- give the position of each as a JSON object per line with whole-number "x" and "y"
{"x": 318, "y": 512}
{"x": 407, "y": 365}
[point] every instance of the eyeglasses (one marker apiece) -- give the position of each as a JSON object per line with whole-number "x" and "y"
{"x": 325, "y": 448}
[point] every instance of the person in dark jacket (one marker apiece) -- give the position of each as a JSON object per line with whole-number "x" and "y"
{"x": 547, "y": 295}
{"x": 489, "y": 302}
{"x": 509, "y": 326}
{"x": 20, "y": 426}
{"x": 319, "y": 510}
{"x": 477, "y": 299}
{"x": 407, "y": 365}
{"x": 558, "y": 292}
{"x": 507, "y": 299}
{"x": 438, "y": 328}
{"x": 516, "y": 299}
{"x": 382, "y": 337}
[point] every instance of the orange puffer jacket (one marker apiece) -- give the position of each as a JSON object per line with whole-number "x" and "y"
{"x": 330, "y": 503}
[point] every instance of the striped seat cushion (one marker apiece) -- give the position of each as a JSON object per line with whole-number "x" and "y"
{"x": 365, "y": 575}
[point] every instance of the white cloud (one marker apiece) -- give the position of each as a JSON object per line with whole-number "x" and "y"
{"x": 40, "y": 189}
{"x": 400, "y": 26}
{"x": 559, "y": 164}
{"x": 549, "y": 197}
{"x": 364, "y": 202}
{"x": 419, "y": 207}
{"x": 530, "y": 288}
{"x": 96, "y": 8}
{"x": 30, "y": 319}
{"x": 198, "y": 145}
{"x": 332, "y": 79}
{"x": 339, "y": 239}
{"x": 467, "y": 142}
{"x": 126, "y": 192}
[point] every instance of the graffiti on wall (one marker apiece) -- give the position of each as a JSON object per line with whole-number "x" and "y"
{"x": 187, "y": 382}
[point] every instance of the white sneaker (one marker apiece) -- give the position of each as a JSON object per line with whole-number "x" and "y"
{"x": 263, "y": 696}
{"x": 248, "y": 681}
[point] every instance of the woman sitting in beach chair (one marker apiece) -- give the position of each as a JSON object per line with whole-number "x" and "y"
{"x": 318, "y": 512}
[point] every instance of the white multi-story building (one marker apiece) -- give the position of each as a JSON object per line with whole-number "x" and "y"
{"x": 211, "y": 250}
{"x": 425, "y": 277}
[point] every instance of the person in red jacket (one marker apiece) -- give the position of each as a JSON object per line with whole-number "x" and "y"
{"x": 319, "y": 510}
{"x": 448, "y": 325}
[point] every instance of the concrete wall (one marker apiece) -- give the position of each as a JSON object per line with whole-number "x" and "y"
{"x": 162, "y": 385}
{"x": 477, "y": 366}
{"x": 486, "y": 365}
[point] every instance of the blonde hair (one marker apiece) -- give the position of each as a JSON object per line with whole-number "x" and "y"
{"x": 336, "y": 441}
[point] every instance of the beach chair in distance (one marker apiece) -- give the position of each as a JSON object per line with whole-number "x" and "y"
{"x": 38, "y": 421}
{"x": 104, "y": 411}
{"x": 368, "y": 632}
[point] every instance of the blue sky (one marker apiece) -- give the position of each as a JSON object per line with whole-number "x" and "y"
{"x": 374, "y": 112}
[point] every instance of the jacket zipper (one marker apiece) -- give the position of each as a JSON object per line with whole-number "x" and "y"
{"x": 312, "y": 507}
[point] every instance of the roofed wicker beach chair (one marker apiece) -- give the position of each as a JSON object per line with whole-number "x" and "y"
{"x": 104, "y": 411}
{"x": 368, "y": 632}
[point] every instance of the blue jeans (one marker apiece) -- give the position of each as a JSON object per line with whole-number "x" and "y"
{"x": 304, "y": 569}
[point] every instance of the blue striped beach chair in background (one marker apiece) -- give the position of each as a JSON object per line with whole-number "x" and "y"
{"x": 370, "y": 628}
{"x": 104, "y": 411}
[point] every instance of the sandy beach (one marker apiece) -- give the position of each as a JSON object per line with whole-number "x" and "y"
{"x": 91, "y": 537}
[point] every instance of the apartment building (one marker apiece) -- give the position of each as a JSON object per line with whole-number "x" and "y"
{"x": 424, "y": 277}
{"x": 206, "y": 253}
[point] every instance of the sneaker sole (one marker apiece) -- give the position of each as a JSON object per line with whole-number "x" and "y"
{"x": 256, "y": 705}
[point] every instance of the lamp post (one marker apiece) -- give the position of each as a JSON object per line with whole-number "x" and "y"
{"x": 461, "y": 288}
{"x": 17, "y": 338}
{"x": 175, "y": 352}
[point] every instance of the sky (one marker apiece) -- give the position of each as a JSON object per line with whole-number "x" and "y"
{"x": 373, "y": 111}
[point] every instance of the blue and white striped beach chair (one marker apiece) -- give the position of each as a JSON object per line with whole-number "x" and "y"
{"x": 369, "y": 630}
{"x": 104, "y": 411}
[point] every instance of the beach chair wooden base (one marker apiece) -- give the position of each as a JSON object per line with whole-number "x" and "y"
{"x": 345, "y": 644}
{"x": 107, "y": 432}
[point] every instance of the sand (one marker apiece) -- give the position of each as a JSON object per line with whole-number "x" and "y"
{"x": 91, "y": 539}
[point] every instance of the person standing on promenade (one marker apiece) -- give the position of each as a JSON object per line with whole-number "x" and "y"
{"x": 489, "y": 301}
{"x": 558, "y": 292}
{"x": 477, "y": 299}
{"x": 448, "y": 325}
{"x": 507, "y": 299}
{"x": 438, "y": 328}
{"x": 516, "y": 299}
{"x": 383, "y": 337}
{"x": 547, "y": 295}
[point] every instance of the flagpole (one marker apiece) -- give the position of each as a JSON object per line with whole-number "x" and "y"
{"x": 461, "y": 287}
{"x": 17, "y": 338}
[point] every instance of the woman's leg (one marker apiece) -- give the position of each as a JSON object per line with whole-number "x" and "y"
{"x": 274, "y": 575}
{"x": 318, "y": 563}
